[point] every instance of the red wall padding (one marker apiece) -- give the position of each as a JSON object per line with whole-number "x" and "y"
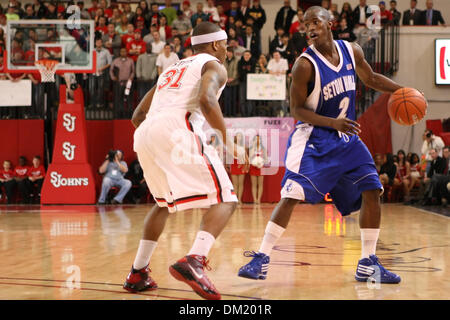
{"x": 21, "y": 138}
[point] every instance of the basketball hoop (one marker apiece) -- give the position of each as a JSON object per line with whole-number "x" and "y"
{"x": 47, "y": 68}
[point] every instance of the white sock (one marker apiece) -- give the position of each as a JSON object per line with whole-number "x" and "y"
{"x": 145, "y": 251}
{"x": 271, "y": 235}
{"x": 369, "y": 238}
{"x": 202, "y": 244}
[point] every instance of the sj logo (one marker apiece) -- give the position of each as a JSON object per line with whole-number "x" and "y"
{"x": 68, "y": 151}
{"x": 69, "y": 122}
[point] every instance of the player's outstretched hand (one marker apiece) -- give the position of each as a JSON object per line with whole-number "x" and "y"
{"x": 346, "y": 126}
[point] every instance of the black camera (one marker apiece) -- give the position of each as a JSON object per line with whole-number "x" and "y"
{"x": 429, "y": 135}
{"x": 111, "y": 155}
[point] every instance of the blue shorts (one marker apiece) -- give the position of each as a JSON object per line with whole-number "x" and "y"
{"x": 320, "y": 161}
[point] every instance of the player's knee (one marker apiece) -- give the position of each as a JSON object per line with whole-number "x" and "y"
{"x": 371, "y": 196}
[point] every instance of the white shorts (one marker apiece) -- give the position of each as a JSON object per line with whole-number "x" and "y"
{"x": 181, "y": 171}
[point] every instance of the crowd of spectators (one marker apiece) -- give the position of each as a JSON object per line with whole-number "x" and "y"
{"x": 414, "y": 179}
{"x": 135, "y": 44}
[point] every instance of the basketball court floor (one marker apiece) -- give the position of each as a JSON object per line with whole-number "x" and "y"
{"x": 85, "y": 252}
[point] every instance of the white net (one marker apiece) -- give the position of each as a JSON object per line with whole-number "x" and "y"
{"x": 47, "y": 69}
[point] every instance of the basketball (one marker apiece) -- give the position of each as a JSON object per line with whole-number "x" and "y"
{"x": 407, "y": 106}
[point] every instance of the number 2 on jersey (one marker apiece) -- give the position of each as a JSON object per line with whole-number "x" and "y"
{"x": 169, "y": 77}
{"x": 343, "y": 106}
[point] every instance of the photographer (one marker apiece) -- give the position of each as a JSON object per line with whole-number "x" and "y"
{"x": 430, "y": 141}
{"x": 114, "y": 169}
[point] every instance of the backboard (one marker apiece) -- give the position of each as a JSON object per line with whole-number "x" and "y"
{"x": 31, "y": 40}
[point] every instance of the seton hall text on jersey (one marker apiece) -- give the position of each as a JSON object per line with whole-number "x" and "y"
{"x": 338, "y": 86}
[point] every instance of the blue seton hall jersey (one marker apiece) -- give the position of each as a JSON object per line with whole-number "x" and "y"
{"x": 320, "y": 160}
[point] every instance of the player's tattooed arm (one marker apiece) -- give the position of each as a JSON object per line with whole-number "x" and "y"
{"x": 370, "y": 78}
{"x": 141, "y": 110}
{"x": 303, "y": 73}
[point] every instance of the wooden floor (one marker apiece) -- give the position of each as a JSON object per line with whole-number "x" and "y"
{"x": 85, "y": 252}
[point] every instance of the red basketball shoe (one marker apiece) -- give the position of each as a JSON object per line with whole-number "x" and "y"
{"x": 139, "y": 280}
{"x": 190, "y": 270}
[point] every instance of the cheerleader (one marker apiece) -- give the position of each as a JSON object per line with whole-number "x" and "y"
{"x": 238, "y": 170}
{"x": 258, "y": 157}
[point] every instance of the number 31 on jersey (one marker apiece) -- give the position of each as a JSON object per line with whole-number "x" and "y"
{"x": 172, "y": 79}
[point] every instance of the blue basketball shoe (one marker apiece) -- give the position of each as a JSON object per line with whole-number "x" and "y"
{"x": 372, "y": 268}
{"x": 257, "y": 268}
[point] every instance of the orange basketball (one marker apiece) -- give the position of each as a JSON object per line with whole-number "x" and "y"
{"x": 407, "y": 106}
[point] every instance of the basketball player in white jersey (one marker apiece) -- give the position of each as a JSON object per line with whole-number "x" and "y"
{"x": 181, "y": 170}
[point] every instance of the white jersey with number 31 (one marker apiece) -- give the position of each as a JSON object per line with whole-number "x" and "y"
{"x": 178, "y": 87}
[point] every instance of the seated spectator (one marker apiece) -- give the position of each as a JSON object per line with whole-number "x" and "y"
{"x": 430, "y": 141}
{"x": 166, "y": 59}
{"x": 443, "y": 182}
{"x": 7, "y": 181}
{"x": 157, "y": 44}
{"x": 230, "y": 92}
{"x": 136, "y": 176}
{"x": 122, "y": 28}
{"x": 403, "y": 171}
{"x": 431, "y": 17}
{"x": 136, "y": 47}
{"x": 146, "y": 71}
{"x": 114, "y": 170}
{"x": 21, "y": 175}
{"x": 344, "y": 32}
{"x": 36, "y": 178}
{"x": 416, "y": 176}
{"x": 434, "y": 175}
{"x": 388, "y": 172}
{"x": 29, "y": 13}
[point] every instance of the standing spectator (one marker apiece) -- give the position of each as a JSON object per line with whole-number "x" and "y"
{"x": 122, "y": 73}
{"x": 279, "y": 66}
{"x": 251, "y": 41}
{"x": 114, "y": 170}
{"x": 187, "y": 53}
{"x": 243, "y": 9}
{"x": 146, "y": 71}
{"x": 258, "y": 157}
{"x": 102, "y": 28}
{"x": 284, "y": 17}
{"x": 299, "y": 39}
{"x": 177, "y": 47}
{"x": 232, "y": 35}
{"x": 361, "y": 13}
{"x": 276, "y": 43}
{"x": 106, "y": 9}
{"x": 122, "y": 28}
{"x": 36, "y": 178}
{"x": 396, "y": 15}
{"x": 169, "y": 12}
{"x": 259, "y": 16}
{"x": 199, "y": 14}
{"x": 3, "y": 23}
{"x": 155, "y": 15}
{"x": 164, "y": 30}
{"x": 136, "y": 47}
{"x": 92, "y": 9}
{"x": 238, "y": 50}
{"x": 437, "y": 168}
{"x": 140, "y": 24}
{"x": 97, "y": 85}
{"x": 129, "y": 36}
{"x": 112, "y": 41}
{"x": 128, "y": 12}
{"x": 149, "y": 37}
{"x": 385, "y": 15}
{"x": 234, "y": 11}
{"x": 145, "y": 10}
{"x": 138, "y": 14}
{"x": 295, "y": 26}
{"x": 287, "y": 51}
{"x": 186, "y": 8}
{"x": 430, "y": 141}
{"x": 431, "y": 17}
{"x": 157, "y": 44}
{"x": 7, "y": 180}
{"x": 246, "y": 65}
{"x": 40, "y": 9}
{"x": 166, "y": 59}
{"x": 211, "y": 10}
{"x": 223, "y": 18}
{"x": 116, "y": 17}
{"x": 29, "y": 13}
{"x": 183, "y": 24}
{"x": 344, "y": 32}
{"x": 21, "y": 173}
{"x": 413, "y": 16}
{"x": 347, "y": 13}
{"x": 261, "y": 64}
{"x": 230, "y": 92}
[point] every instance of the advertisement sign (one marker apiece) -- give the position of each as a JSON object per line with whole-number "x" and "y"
{"x": 442, "y": 53}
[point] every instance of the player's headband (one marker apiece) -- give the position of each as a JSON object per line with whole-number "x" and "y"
{"x": 209, "y": 37}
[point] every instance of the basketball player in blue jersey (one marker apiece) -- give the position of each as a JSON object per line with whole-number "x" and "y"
{"x": 324, "y": 153}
